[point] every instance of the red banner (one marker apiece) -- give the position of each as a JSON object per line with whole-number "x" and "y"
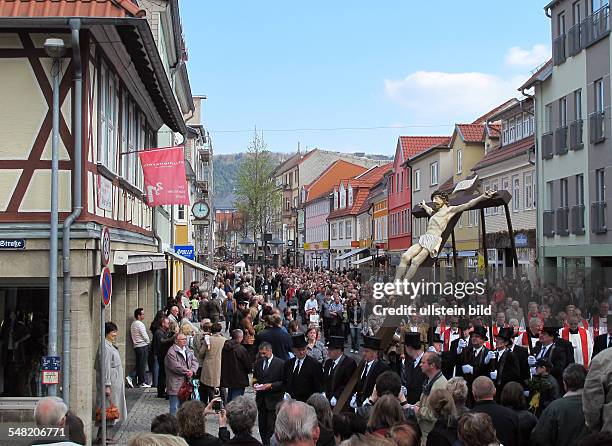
{"x": 164, "y": 176}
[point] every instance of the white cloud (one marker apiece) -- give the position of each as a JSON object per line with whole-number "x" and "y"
{"x": 518, "y": 57}
{"x": 434, "y": 98}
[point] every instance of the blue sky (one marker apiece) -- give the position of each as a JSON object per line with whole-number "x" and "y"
{"x": 347, "y": 64}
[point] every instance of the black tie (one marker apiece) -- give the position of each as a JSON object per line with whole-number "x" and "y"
{"x": 331, "y": 369}
{"x": 265, "y": 365}
{"x": 366, "y": 369}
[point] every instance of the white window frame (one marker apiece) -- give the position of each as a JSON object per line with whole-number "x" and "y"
{"x": 505, "y": 133}
{"x": 512, "y": 134}
{"x": 519, "y": 127}
{"x": 580, "y": 189}
{"x": 433, "y": 172}
{"x": 108, "y": 118}
{"x": 564, "y": 193}
{"x": 526, "y": 131}
{"x": 516, "y": 193}
{"x": 599, "y": 95}
{"x": 417, "y": 179}
{"x": 350, "y": 196}
{"x": 340, "y": 230}
{"x": 348, "y": 229}
{"x": 600, "y": 185}
{"x": 528, "y": 187}
{"x": 578, "y": 105}
{"x": 459, "y": 161}
{"x": 334, "y": 231}
{"x": 562, "y": 112}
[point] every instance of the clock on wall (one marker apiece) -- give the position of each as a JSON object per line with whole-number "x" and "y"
{"x": 200, "y": 209}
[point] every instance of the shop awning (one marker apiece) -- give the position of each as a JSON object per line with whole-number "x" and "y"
{"x": 361, "y": 261}
{"x": 352, "y": 253}
{"x": 138, "y": 261}
{"x": 465, "y": 254}
{"x": 192, "y": 263}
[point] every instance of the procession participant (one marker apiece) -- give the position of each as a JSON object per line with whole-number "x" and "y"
{"x": 603, "y": 341}
{"x": 581, "y": 340}
{"x": 531, "y": 337}
{"x": 372, "y": 367}
{"x": 471, "y": 358}
{"x": 503, "y": 364}
{"x": 552, "y": 349}
{"x": 337, "y": 370}
{"x": 302, "y": 375}
{"x": 268, "y": 374}
{"x": 500, "y": 322}
{"x": 410, "y": 368}
{"x": 521, "y": 355}
{"x": 598, "y": 323}
{"x": 450, "y": 333}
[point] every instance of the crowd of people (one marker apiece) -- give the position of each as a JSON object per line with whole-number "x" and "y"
{"x": 325, "y": 369}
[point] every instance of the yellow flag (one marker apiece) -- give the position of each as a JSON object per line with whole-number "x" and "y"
{"x": 481, "y": 263}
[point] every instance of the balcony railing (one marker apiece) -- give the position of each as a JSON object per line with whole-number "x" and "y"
{"x": 574, "y": 41}
{"x": 547, "y": 146}
{"x": 597, "y": 127}
{"x": 596, "y": 26}
{"x": 575, "y": 135}
{"x": 563, "y": 221}
{"x": 598, "y": 217}
{"x": 549, "y": 223}
{"x": 578, "y": 219}
{"x": 561, "y": 140}
{"x": 559, "y": 50}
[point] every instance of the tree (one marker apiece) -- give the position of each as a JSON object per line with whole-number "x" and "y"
{"x": 258, "y": 198}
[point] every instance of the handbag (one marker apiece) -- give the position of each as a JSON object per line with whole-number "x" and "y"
{"x": 185, "y": 391}
{"x": 112, "y": 412}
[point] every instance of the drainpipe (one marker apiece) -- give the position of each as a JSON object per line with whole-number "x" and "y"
{"x": 157, "y": 278}
{"x": 75, "y": 27}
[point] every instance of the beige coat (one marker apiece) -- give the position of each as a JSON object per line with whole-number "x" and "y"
{"x": 425, "y": 416}
{"x": 113, "y": 377}
{"x": 211, "y": 361}
{"x": 597, "y": 394}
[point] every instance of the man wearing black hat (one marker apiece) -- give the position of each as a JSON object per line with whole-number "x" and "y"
{"x": 503, "y": 365}
{"x": 450, "y": 357}
{"x": 410, "y": 368}
{"x": 471, "y": 358}
{"x": 549, "y": 347}
{"x": 302, "y": 375}
{"x": 337, "y": 370}
{"x": 521, "y": 353}
{"x": 369, "y": 371}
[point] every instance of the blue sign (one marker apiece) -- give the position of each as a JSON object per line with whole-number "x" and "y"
{"x": 187, "y": 251}
{"x": 520, "y": 240}
{"x": 12, "y": 243}
{"x": 106, "y": 285}
{"x": 50, "y": 363}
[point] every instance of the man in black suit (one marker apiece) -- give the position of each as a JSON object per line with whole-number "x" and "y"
{"x": 302, "y": 375}
{"x": 603, "y": 341}
{"x": 471, "y": 358}
{"x": 450, "y": 358}
{"x": 521, "y": 354}
{"x": 505, "y": 421}
{"x": 552, "y": 348}
{"x": 337, "y": 370}
{"x": 410, "y": 368}
{"x": 503, "y": 365}
{"x": 268, "y": 372}
{"x": 369, "y": 370}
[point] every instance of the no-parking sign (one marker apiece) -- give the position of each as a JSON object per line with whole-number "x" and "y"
{"x": 106, "y": 285}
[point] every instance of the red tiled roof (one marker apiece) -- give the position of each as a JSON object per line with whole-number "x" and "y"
{"x": 69, "y": 8}
{"x": 505, "y": 152}
{"x": 471, "y": 132}
{"x": 361, "y": 188}
{"x": 482, "y": 119}
{"x": 494, "y": 130}
{"x": 325, "y": 183}
{"x": 411, "y": 145}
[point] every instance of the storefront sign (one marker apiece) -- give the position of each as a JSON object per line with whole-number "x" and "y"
{"x": 306, "y": 245}
{"x": 12, "y": 243}
{"x": 105, "y": 193}
{"x": 355, "y": 244}
{"x": 50, "y": 366}
{"x": 520, "y": 240}
{"x": 187, "y": 251}
{"x": 164, "y": 176}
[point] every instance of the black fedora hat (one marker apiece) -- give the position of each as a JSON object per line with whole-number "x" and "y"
{"x": 372, "y": 343}
{"x": 335, "y": 342}
{"x": 551, "y": 330}
{"x": 299, "y": 340}
{"x": 506, "y": 333}
{"x": 412, "y": 339}
{"x": 480, "y": 331}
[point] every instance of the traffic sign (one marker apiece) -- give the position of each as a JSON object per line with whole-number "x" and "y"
{"x": 106, "y": 285}
{"x": 105, "y": 246}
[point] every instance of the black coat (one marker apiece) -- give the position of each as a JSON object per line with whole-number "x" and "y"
{"x": 337, "y": 381}
{"x": 444, "y": 433}
{"x": 521, "y": 353}
{"x": 272, "y": 375}
{"x": 243, "y": 440}
{"x": 508, "y": 370}
{"x": 365, "y": 386}
{"x": 210, "y": 440}
{"x": 235, "y": 365}
{"x": 505, "y": 421}
{"x": 278, "y": 338}
{"x": 309, "y": 380}
{"x": 412, "y": 378}
{"x": 467, "y": 357}
{"x": 558, "y": 355}
{"x": 600, "y": 344}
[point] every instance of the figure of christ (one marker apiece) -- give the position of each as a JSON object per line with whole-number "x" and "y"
{"x": 429, "y": 243}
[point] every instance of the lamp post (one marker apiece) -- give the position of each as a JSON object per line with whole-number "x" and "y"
{"x": 246, "y": 245}
{"x": 54, "y": 48}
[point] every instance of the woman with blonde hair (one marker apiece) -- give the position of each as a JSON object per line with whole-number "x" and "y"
{"x": 442, "y": 405}
{"x": 149, "y": 439}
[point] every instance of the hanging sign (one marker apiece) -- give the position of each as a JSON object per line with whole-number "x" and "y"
{"x": 164, "y": 176}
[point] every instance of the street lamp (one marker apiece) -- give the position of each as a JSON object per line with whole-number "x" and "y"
{"x": 55, "y": 48}
{"x": 246, "y": 246}
{"x": 276, "y": 248}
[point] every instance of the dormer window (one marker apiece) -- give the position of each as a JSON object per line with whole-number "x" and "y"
{"x": 342, "y": 196}
{"x": 350, "y": 196}
{"x": 336, "y": 199}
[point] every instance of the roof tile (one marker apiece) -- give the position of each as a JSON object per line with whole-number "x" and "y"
{"x": 69, "y": 8}
{"x": 324, "y": 184}
{"x": 411, "y": 145}
{"x": 472, "y": 132}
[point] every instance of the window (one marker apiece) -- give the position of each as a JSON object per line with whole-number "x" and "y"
{"x": 181, "y": 212}
{"x": 599, "y": 96}
{"x": 600, "y": 185}
{"x": 516, "y": 193}
{"x": 505, "y": 131}
{"x": 561, "y": 24}
{"x": 108, "y": 104}
{"x": 495, "y": 188}
{"x": 577, "y": 105}
{"x": 334, "y": 231}
{"x": 487, "y": 186}
{"x": 417, "y": 179}
{"x": 549, "y": 195}
{"x": 576, "y": 13}
{"x": 348, "y": 231}
{"x": 406, "y": 221}
{"x": 434, "y": 173}
{"x": 563, "y": 193}
{"x": 350, "y": 196}
{"x": 401, "y": 181}
{"x": 459, "y": 161}
{"x": 340, "y": 230}
{"x": 526, "y": 130}
{"x": 397, "y": 183}
{"x": 295, "y": 203}
{"x": 512, "y": 133}
{"x": 562, "y": 112}
{"x": 342, "y": 196}
{"x": 519, "y": 127}
{"x": 580, "y": 189}
{"x": 287, "y": 204}
{"x": 548, "y": 118}
{"x": 529, "y": 199}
